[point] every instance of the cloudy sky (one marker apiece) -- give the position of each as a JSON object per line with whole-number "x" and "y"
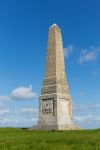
{"x": 23, "y": 43}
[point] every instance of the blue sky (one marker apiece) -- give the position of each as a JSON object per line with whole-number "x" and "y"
{"x": 23, "y": 42}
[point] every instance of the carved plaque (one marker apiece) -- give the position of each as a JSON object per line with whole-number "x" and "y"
{"x": 47, "y": 106}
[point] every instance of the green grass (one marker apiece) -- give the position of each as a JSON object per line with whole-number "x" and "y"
{"x": 18, "y": 139}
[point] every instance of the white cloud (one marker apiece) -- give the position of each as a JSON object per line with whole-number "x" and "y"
{"x": 23, "y": 93}
{"x": 23, "y": 117}
{"x": 4, "y": 98}
{"x": 4, "y": 112}
{"x": 93, "y": 119}
{"x": 20, "y": 117}
{"x": 18, "y": 122}
{"x": 87, "y": 116}
{"x": 84, "y": 108}
{"x": 82, "y": 118}
{"x": 68, "y": 50}
{"x": 95, "y": 106}
{"x": 97, "y": 118}
{"x": 29, "y": 111}
{"x": 90, "y": 54}
{"x": 20, "y": 93}
{"x": 6, "y": 120}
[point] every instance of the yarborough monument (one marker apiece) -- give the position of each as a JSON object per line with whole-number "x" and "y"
{"x": 55, "y": 102}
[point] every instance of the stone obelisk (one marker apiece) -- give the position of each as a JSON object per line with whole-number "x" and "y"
{"x": 55, "y": 103}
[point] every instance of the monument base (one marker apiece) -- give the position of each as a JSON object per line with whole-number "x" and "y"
{"x": 56, "y": 127}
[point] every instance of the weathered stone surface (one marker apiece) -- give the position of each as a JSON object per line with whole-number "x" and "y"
{"x": 55, "y": 103}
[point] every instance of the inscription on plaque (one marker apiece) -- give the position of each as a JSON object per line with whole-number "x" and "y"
{"x": 47, "y": 106}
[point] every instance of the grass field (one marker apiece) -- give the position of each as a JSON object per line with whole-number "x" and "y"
{"x": 19, "y": 139}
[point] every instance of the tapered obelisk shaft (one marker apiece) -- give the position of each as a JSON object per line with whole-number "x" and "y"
{"x": 55, "y": 100}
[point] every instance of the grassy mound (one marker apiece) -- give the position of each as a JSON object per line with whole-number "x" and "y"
{"x": 19, "y": 139}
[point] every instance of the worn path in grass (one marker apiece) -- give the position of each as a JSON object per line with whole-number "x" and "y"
{"x": 18, "y": 139}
